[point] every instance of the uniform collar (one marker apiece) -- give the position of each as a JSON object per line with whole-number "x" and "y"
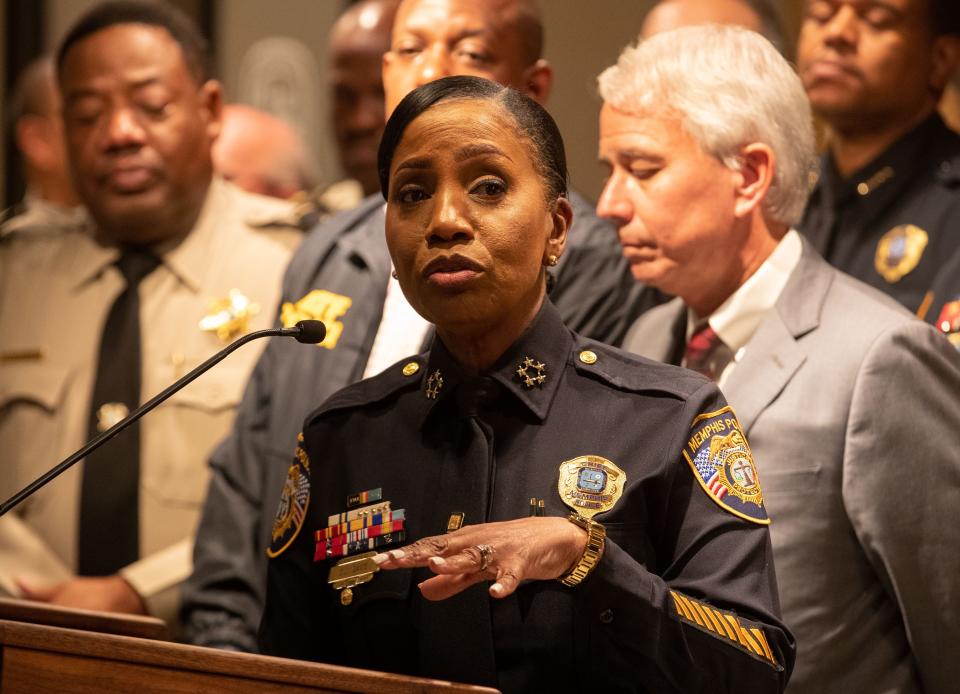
{"x": 546, "y": 342}
{"x": 901, "y": 156}
{"x": 188, "y": 258}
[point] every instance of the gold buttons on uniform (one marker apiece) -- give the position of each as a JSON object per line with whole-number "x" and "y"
{"x": 346, "y": 597}
{"x": 411, "y": 368}
{"x": 588, "y": 357}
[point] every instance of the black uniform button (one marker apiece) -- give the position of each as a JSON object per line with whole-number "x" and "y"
{"x": 606, "y": 617}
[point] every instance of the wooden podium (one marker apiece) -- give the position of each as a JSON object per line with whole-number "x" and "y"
{"x": 50, "y": 650}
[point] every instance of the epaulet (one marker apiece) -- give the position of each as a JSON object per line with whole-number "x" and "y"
{"x": 260, "y": 211}
{"x": 404, "y": 375}
{"x": 633, "y": 373}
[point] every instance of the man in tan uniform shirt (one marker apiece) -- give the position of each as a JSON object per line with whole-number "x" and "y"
{"x": 140, "y": 116}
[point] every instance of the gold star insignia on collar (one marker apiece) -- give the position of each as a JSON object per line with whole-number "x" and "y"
{"x": 434, "y": 384}
{"x": 532, "y": 372}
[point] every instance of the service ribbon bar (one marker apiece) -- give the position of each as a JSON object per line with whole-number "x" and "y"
{"x": 347, "y": 516}
{"x": 338, "y": 529}
{"x": 367, "y": 538}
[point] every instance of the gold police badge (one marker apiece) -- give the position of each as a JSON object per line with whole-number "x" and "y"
{"x": 320, "y": 305}
{"x": 293, "y": 503}
{"x": 230, "y": 316}
{"x": 899, "y": 252}
{"x": 590, "y": 484}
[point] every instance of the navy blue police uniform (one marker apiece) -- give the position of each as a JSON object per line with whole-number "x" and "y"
{"x": 683, "y": 598}
{"x": 893, "y": 224}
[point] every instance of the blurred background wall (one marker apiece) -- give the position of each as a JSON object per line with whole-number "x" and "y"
{"x": 272, "y": 54}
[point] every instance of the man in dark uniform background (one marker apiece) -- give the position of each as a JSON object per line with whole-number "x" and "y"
{"x": 341, "y": 275}
{"x": 887, "y": 203}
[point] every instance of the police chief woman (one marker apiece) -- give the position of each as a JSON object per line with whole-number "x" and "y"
{"x": 560, "y": 535}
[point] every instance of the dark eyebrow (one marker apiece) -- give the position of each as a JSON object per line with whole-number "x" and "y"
{"x": 462, "y": 154}
{"x": 415, "y": 163}
{"x": 478, "y": 150}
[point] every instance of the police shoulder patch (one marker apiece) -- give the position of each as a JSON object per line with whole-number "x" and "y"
{"x": 719, "y": 455}
{"x": 293, "y": 503}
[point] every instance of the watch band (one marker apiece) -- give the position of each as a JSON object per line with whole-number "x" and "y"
{"x": 592, "y": 552}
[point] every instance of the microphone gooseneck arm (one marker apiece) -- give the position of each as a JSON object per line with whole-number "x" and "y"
{"x": 304, "y": 331}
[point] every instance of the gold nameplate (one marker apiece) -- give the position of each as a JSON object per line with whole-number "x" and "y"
{"x": 353, "y": 571}
{"x": 590, "y": 484}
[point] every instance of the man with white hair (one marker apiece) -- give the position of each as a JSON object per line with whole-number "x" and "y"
{"x": 707, "y": 134}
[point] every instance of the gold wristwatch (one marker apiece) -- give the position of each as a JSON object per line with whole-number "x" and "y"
{"x": 596, "y": 540}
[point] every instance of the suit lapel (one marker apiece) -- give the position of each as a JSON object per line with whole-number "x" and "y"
{"x": 659, "y": 334}
{"x": 773, "y": 355}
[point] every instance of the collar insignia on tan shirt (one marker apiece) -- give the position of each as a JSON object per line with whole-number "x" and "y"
{"x": 320, "y": 305}
{"x": 229, "y": 317}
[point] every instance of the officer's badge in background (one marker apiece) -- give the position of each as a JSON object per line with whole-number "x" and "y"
{"x": 720, "y": 457}
{"x": 293, "y": 503}
{"x": 230, "y": 316}
{"x": 320, "y": 305}
{"x": 899, "y": 252}
{"x": 949, "y": 321}
{"x": 590, "y": 484}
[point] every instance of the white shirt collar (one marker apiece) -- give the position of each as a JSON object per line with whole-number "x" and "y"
{"x": 737, "y": 318}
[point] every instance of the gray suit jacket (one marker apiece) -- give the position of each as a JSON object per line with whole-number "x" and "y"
{"x": 852, "y": 408}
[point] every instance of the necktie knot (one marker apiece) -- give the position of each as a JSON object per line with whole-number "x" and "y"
{"x": 476, "y": 394}
{"x": 135, "y": 264}
{"x": 706, "y": 353}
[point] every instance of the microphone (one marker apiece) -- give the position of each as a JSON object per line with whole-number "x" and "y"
{"x": 306, "y": 331}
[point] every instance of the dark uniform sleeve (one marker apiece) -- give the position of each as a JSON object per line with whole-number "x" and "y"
{"x": 223, "y": 598}
{"x": 706, "y": 617}
{"x": 293, "y": 623}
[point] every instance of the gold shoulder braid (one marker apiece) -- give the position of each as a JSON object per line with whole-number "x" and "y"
{"x": 592, "y": 552}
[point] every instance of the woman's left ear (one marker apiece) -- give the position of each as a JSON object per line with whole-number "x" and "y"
{"x": 754, "y": 178}
{"x": 562, "y": 217}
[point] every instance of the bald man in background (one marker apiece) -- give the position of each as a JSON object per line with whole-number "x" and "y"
{"x": 50, "y": 203}
{"x": 757, "y": 16}
{"x": 262, "y": 154}
{"x": 341, "y": 275}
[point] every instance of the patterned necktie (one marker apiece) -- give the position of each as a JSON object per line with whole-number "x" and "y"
{"x": 109, "y": 530}
{"x": 706, "y": 353}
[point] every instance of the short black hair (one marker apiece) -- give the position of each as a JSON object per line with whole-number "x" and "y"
{"x": 531, "y": 119}
{"x": 192, "y": 44}
{"x": 945, "y": 17}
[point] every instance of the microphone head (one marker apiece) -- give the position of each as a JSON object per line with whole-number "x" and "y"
{"x": 311, "y": 332}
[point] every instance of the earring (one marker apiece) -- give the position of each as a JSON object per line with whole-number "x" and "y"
{"x": 551, "y": 260}
{"x": 394, "y": 275}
